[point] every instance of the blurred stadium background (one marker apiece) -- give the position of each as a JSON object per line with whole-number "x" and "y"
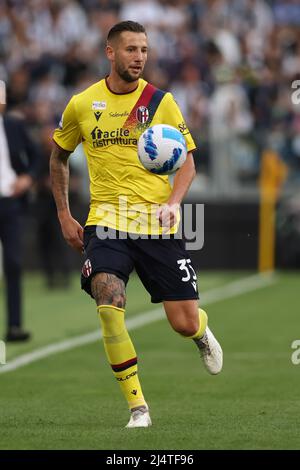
{"x": 234, "y": 68}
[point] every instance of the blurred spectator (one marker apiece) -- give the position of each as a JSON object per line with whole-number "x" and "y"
{"x": 51, "y": 49}
{"x": 230, "y": 121}
{"x": 18, "y": 164}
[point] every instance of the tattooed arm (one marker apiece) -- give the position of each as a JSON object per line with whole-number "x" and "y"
{"x": 59, "y": 173}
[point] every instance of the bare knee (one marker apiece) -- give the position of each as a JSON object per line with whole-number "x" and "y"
{"x": 185, "y": 328}
{"x": 183, "y": 316}
{"x": 108, "y": 289}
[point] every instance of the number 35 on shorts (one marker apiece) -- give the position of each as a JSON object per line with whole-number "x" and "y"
{"x": 185, "y": 265}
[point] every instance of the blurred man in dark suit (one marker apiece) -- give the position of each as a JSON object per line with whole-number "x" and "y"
{"x": 18, "y": 161}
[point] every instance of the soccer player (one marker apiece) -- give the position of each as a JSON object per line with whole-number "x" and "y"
{"x": 120, "y": 233}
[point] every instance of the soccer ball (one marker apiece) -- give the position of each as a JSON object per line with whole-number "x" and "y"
{"x": 162, "y": 149}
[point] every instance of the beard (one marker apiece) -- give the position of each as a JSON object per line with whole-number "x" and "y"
{"x": 125, "y": 75}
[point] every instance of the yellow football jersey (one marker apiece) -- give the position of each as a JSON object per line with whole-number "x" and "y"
{"x": 124, "y": 195}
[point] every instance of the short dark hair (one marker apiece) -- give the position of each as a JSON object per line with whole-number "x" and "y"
{"x": 132, "y": 26}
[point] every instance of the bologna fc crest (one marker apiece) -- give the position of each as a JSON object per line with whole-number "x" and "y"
{"x": 142, "y": 114}
{"x": 87, "y": 268}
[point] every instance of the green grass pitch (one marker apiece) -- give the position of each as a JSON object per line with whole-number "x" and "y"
{"x": 71, "y": 400}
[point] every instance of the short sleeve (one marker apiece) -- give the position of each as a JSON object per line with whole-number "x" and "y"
{"x": 67, "y": 135}
{"x": 171, "y": 115}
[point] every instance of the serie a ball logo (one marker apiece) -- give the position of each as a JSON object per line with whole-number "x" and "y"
{"x": 162, "y": 149}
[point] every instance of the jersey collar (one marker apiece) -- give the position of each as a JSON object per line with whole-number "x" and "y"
{"x": 114, "y": 93}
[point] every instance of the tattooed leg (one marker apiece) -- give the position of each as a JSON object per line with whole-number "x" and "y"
{"x": 109, "y": 293}
{"x": 108, "y": 289}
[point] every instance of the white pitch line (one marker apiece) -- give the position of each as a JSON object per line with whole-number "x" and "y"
{"x": 227, "y": 291}
{"x": 235, "y": 288}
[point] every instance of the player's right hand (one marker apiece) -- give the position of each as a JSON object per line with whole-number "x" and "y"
{"x": 72, "y": 232}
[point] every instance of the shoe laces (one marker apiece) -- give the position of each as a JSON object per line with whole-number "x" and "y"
{"x": 203, "y": 345}
{"x": 135, "y": 413}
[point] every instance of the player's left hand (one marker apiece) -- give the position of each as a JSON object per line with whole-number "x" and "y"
{"x": 21, "y": 185}
{"x": 167, "y": 216}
